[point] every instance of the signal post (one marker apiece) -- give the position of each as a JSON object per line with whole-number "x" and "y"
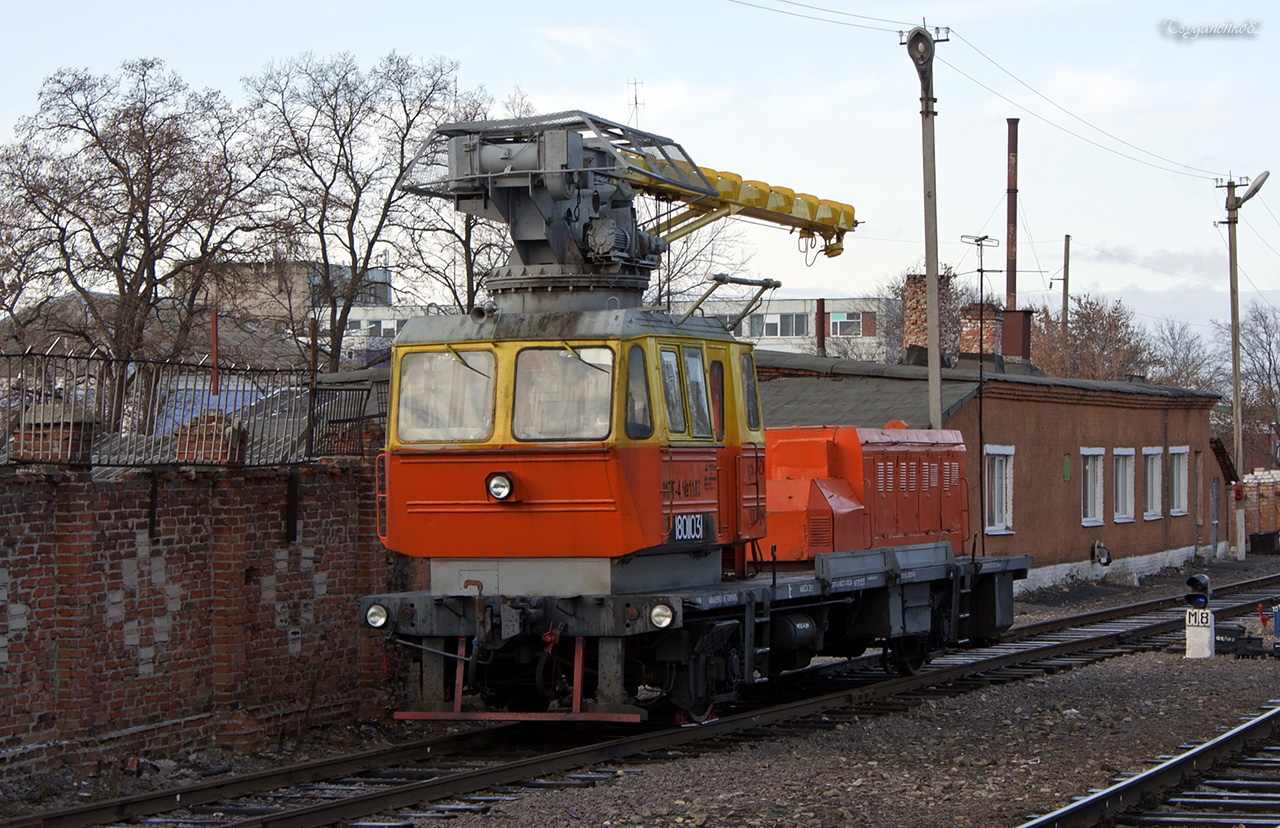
{"x": 1200, "y": 620}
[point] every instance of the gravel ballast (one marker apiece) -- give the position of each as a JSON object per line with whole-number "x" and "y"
{"x": 992, "y": 757}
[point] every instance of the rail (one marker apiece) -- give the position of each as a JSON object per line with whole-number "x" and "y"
{"x": 1156, "y": 626}
{"x": 101, "y": 412}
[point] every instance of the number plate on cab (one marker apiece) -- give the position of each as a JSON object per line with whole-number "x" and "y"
{"x": 699, "y": 526}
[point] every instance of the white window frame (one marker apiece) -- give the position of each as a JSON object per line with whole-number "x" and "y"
{"x": 1091, "y": 491}
{"x": 1152, "y": 482}
{"x": 771, "y": 325}
{"x": 1152, "y": 494}
{"x": 843, "y": 322}
{"x": 1003, "y": 524}
{"x": 1122, "y": 483}
{"x": 1179, "y": 479}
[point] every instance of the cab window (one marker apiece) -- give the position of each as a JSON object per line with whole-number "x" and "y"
{"x": 672, "y": 391}
{"x": 717, "y": 397}
{"x": 699, "y": 407}
{"x": 750, "y": 397}
{"x": 563, "y": 393}
{"x": 445, "y": 396}
{"x": 639, "y": 412}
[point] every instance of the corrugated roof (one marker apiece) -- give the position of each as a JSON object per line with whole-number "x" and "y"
{"x": 868, "y": 401}
{"x": 847, "y": 392}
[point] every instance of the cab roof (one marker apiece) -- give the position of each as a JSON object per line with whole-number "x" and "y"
{"x": 622, "y": 323}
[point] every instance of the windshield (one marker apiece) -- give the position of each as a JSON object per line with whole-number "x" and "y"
{"x": 445, "y": 396}
{"x": 563, "y": 393}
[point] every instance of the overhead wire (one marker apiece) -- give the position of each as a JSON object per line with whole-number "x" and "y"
{"x": 969, "y": 247}
{"x": 844, "y": 13}
{"x": 1185, "y": 168}
{"x": 1169, "y": 165}
{"x": 1026, "y": 226}
{"x": 1268, "y": 209}
{"x": 1068, "y": 112}
{"x": 1259, "y": 235}
{"x": 811, "y": 17}
{"x": 1075, "y": 241}
{"x": 1061, "y": 128}
{"x": 1243, "y": 272}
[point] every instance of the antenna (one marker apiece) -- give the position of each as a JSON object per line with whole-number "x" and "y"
{"x": 634, "y": 103}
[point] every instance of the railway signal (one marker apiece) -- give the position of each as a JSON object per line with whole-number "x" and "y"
{"x": 1200, "y": 591}
{"x": 1200, "y": 622}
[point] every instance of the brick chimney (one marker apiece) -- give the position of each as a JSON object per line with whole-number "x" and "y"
{"x": 915, "y": 313}
{"x": 977, "y": 316}
{"x": 57, "y": 432}
{"x": 212, "y": 437}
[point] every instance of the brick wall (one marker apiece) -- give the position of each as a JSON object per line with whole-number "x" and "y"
{"x": 1261, "y": 502}
{"x": 915, "y": 312}
{"x": 203, "y": 625}
{"x": 980, "y": 326}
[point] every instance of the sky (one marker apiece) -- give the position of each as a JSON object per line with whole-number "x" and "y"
{"x": 1129, "y": 113}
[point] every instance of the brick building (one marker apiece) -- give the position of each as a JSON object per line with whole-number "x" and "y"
{"x": 851, "y": 328}
{"x": 1088, "y": 478}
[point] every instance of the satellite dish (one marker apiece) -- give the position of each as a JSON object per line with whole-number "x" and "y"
{"x": 1253, "y": 188}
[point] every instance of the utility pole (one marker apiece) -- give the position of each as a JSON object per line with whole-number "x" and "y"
{"x": 920, "y": 45}
{"x": 1233, "y": 208}
{"x": 1066, "y": 278}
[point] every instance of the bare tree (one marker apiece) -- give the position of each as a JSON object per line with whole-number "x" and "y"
{"x": 450, "y": 251}
{"x": 1102, "y": 341}
{"x": 1259, "y": 379}
{"x": 717, "y": 248}
{"x": 951, "y": 297}
{"x": 349, "y": 136}
{"x": 25, "y": 280}
{"x": 1180, "y": 357}
{"x": 128, "y": 190}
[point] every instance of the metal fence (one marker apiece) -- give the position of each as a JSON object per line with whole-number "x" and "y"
{"x": 104, "y": 412}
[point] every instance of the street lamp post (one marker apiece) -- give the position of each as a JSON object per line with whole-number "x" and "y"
{"x": 1233, "y": 208}
{"x": 920, "y": 46}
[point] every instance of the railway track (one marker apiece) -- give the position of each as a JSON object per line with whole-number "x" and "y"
{"x": 470, "y": 771}
{"x": 1232, "y": 781}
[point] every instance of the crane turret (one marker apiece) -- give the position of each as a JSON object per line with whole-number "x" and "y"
{"x": 565, "y": 185}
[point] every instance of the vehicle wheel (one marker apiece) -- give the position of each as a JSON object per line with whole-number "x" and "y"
{"x": 908, "y": 656}
{"x": 700, "y": 713}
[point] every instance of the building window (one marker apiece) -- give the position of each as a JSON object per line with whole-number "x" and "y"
{"x": 1091, "y": 486}
{"x": 1178, "y": 469}
{"x": 999, "y": 489}
{"x": 846, "y": 324}
{"x": 779, "y": 324}
{"x": 1123, "y": 483}
{"x": 727, "y": 319}
{"x": 1152, "y": 458}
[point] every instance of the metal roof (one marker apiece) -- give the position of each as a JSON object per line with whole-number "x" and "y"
{"x": 847, "y": 392}
{"x": 575, "y": 325}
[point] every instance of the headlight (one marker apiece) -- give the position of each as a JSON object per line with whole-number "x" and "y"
{"x": 500, "y": 486}
{"x": 375, "y": 616}
{"x": 661, "y": 616}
